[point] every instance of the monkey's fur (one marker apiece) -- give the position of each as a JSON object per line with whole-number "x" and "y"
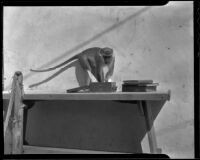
{"x": 93, "y": 60}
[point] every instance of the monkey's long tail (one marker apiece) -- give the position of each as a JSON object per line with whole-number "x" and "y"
{"x": 52, "y": 76}
{"x": 52, "y": 68}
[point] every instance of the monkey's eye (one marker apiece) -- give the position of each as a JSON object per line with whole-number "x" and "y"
{"x": 106, "y": 57}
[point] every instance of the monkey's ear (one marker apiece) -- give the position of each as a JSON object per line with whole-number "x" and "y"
{"x": 107, "y": 51}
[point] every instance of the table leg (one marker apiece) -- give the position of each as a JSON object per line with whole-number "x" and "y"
{"x": 150, "y": 128}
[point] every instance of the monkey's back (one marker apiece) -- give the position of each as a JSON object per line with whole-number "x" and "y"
{"x": 91, "y": 51}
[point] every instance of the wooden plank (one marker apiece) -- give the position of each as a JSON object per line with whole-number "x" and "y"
{"x": 8, "y": 134}
{"x": 10, "y": 105}
{"x": 17, "y": 127}
{"x": 50, "y": 150}
{"x": 96, "y": 96}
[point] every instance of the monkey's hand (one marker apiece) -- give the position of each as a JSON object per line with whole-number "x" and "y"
{"x": 93, "y": 79}
{"x": 108, "y": 78}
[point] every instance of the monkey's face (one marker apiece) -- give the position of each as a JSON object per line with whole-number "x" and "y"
{"x": 107, "y": 59}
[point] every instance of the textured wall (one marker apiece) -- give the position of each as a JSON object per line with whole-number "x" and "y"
{"x": 149, "y": 43}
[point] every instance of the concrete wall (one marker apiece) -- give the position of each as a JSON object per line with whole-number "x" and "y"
{"x": 149, "y": 43}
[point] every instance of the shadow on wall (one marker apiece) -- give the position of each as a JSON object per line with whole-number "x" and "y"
{"x": 84, "y": 44}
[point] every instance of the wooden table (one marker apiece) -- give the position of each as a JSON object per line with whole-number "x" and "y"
{"x": 141, "y": 98}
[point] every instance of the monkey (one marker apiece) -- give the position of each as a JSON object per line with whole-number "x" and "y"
{"x": 93, "y": 60}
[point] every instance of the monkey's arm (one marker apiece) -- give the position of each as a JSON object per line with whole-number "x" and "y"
{"x": 110, "y": 70}
{"x": 100, "y": 74}
{"x": 93, "y": 79}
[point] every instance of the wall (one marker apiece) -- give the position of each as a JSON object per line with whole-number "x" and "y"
{"x": 149, "y": 43}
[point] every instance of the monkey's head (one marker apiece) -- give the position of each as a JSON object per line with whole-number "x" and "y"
{"x": 107, "y": 54}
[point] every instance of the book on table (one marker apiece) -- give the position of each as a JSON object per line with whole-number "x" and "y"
{"x": 139, "y": 86}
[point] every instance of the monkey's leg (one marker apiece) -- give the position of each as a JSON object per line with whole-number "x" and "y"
{"x": 82, "y": 75}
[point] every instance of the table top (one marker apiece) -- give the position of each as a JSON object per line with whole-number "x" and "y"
{"x": 156, "y": 95}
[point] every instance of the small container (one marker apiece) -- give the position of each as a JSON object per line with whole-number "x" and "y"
{"x": 103, "y": 87}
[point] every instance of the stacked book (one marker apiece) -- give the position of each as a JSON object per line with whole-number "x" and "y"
{"x": 139, "y": 86}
